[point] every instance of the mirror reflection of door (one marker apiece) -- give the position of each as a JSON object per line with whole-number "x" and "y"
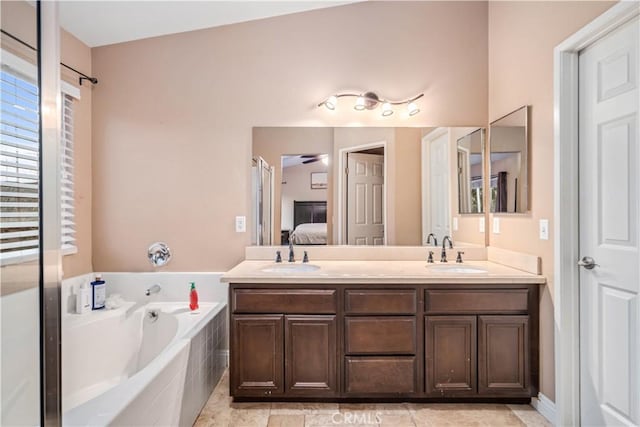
{"x": 438, "y": 204}
{"x": 304, "y": 199}
{"x": 365, "y": 197}
{"x": 262, "y": 202}
{"x": 470, "y": 172}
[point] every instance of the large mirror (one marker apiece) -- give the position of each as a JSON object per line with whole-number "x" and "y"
{"x": 355, "y": 185}
{"x": 470, "y": 164}
{"x": 509, "y": 169}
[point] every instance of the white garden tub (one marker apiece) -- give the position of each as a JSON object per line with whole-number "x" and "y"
{"x": 124, "y": 367}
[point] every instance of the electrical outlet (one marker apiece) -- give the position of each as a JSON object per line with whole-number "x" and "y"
{"x": 241, "y": 224}
{"x": 496, "y": 225}
{"x": 544, "y": 229}
{"x": 455, "y": 223}
{"x": 481, "y": 224}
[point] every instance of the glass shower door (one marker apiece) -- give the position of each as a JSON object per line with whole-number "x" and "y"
{"x": 20, "y": 290}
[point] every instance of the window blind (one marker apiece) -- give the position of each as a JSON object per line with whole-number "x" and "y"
{"x": 19, "y": 165}
{"x": 19, "y": 169}
{"x": 67, "y": 214}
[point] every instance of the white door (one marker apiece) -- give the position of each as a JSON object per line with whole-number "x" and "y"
{"x": 609, "y": 230}
{"x": 439, "y": 186}
{"x": 365, "y": 199}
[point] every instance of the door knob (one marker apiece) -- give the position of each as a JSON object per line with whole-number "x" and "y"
{"x": 588, "y": 263}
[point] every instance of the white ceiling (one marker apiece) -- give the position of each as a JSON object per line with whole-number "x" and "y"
{"x": 99, "y": 23}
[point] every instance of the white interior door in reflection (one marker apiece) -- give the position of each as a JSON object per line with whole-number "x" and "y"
{"x": 365, "y": 199}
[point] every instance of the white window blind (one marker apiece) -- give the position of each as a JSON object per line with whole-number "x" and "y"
{"x": 19, "y": 166}
{"x": 67, "y": 205}
{"x": 19, "y": 169}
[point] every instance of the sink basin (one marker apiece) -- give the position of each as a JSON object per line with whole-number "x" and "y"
{"x": 456, "y": 269}
{"x": 290, "y": 268}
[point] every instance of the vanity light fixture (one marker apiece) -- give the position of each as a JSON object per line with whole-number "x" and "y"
{"x": 370, "y": 100}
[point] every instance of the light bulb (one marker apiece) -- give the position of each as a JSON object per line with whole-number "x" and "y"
{"x": 359, "y": 103}
{"x": 325, "y": 160}
{"x": 386, "y": 109}
{"x": 331, "y": 102}
{"x": 413, "y": 109}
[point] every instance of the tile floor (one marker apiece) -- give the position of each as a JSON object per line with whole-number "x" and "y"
{"x": 220, "y": 411}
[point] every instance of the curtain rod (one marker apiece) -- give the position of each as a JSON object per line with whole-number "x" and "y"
{"x": 83, "y": 76}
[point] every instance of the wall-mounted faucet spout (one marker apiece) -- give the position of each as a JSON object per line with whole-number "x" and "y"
{"x": 153, "y": 290}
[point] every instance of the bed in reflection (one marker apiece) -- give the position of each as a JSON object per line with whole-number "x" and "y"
{"x": 310, "y": 223}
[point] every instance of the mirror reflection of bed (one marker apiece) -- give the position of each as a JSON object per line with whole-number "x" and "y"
{"x": 310, "y": 223}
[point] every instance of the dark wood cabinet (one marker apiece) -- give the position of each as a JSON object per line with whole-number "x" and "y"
{"x": 450, "y": 355}
{"x": 257, "y": 368}
{"x": 311, "y": 356}
{"x": 420, "y": 342}
{"x": 503, "y": 355}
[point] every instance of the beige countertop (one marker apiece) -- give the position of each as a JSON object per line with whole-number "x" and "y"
{"x": 380, "y": 272}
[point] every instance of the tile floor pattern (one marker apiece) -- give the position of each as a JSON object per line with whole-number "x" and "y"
{"x": 220, "y": 411}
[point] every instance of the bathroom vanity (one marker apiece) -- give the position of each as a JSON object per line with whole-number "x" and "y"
{"x": 383, "y": 330}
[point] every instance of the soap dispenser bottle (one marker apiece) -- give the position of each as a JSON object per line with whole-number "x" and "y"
{"x": 98, "y": 293}
{"x": 83, "y": 299}
{"x": 193, "y": 297}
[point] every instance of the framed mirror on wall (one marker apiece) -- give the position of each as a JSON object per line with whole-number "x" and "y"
{"x": 509, "y": 162}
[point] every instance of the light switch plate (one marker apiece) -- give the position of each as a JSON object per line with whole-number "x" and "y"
{"x": 481, "y": 224}
{"x": 455, "y": 223}
{"x": 544, "y": 229}
{"x": 496, "y": 225}
{"x": 241, "y": 224}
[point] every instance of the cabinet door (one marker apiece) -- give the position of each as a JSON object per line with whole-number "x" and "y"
{"x": 310, "y": 355}
{"x": 450, "y": 355}
{"x": 503, "y": 355}
{"x": 257, "y": 366}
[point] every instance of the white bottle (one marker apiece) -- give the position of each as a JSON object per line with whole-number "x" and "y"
{"x": 83, "y": 299}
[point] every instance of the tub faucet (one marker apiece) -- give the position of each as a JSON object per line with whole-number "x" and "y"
{"x": 292, "y": 258}
{"x": 153, "y": 290}
{"x": 443, "y": 255}
{"x": 435, "y": 240}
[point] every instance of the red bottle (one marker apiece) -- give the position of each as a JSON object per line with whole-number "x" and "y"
{"x": 193, "y": 297}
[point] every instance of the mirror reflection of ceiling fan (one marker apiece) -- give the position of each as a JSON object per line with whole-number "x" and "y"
{"x": 311, "y": 158}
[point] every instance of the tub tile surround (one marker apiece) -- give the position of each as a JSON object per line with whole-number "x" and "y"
{"x": 207, "y": 362}
{"x": 220, "y": 411}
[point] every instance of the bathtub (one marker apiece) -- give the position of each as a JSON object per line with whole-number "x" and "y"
{"x": 134, "y": 365}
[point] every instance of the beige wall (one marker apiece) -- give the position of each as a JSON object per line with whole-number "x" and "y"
{"x": 522, "y": 36}
{"x": 172, "y": 116}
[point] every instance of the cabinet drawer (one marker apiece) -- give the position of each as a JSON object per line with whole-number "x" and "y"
{"x": 295, "y": 301}
{"x": 380, "y": 375}
{"x": 499, "y": 301}
{"x": 380, "y": 301}
{"x": 380, "y": 335}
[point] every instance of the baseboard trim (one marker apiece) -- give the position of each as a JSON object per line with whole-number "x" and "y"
{"x": 545, "y": 407}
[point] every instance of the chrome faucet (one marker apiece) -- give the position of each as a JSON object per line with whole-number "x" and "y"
{"x": 153, "y": 290}
{"x": 435, "y": 240}
{"x": 292, "y": 258}
{"x": 443, "y": 255}
{"x": 430, "y": 258}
